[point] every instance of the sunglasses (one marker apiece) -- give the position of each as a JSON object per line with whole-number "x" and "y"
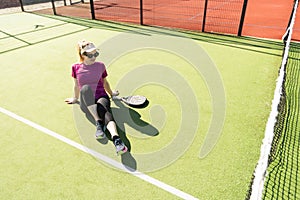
{"x": 91, "y": 55}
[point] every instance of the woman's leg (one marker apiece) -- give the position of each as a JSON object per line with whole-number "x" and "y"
{"x": 87, "y": 100}
{"x": 104, "y": 111}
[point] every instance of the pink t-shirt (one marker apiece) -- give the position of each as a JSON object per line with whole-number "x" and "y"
{"x": 91, "y": 75}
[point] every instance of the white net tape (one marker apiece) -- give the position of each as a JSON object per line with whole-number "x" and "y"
{"x": 260, "y": 172}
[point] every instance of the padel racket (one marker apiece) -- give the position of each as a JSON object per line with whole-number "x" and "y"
{"x": 134, "y": 100}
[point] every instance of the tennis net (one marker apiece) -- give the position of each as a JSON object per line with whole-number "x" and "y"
{"x": 275, "y": 176}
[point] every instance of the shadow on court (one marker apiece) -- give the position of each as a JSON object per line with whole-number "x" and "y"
{"x": 126, "y": 115}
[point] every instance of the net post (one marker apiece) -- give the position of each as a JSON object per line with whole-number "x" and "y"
{"x": 92, "y": 9}
{"x": 21, "y": 4}
{"x": 53, "y": 7}
{"x": 141, "y": 12}
{"x": 242, "y": 17}
{"x": 204, "y": 15}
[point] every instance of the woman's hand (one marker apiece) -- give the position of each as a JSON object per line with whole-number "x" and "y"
{"x": 71, "y": 100}
{"x": 114, "y": 94}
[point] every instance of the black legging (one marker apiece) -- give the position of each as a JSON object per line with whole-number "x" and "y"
{"x": 87, "y": 98}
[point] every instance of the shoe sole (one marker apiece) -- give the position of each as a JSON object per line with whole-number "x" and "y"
{"x": 124, "y": 150}
{"x": 100, "y": 137}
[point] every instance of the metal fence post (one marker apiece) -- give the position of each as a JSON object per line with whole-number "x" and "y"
{"x": 53, "y": 7}
{"x": 204, "y": 15}
{"x": 21, "y": 4}
{"x": 242, "y": 17}
{"x": 92, "y": 9}
{"x": 141, "y": 12}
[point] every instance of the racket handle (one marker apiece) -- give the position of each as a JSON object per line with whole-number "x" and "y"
{"x": 116, "y": 98}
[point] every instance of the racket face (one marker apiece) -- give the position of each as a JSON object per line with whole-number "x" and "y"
{"x": 135, "y": 100}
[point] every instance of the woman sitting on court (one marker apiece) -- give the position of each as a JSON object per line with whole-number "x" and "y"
{"x": 91, "y": 85}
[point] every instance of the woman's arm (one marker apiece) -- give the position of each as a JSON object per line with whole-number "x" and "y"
{"x": 76, "y": 94}
{"x": 76, "y": 89}
{"x": 108, "y": 89}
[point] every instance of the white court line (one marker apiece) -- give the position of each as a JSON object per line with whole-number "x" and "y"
{"x": 104, "y": 158}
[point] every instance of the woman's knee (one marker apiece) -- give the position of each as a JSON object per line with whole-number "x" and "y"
{"x": 103, "y": 101}
{"x": 85, "y": 89}
{"x": 86, "y": 95}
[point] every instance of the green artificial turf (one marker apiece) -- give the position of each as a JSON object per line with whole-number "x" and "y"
{"x": 36, "y": 79}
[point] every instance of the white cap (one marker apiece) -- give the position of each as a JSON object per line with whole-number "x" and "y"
{"x": 88, "y": 48}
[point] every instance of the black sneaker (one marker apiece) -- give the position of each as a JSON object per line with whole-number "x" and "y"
{"x": 120, "y": 146}
{"x": 99, "y": 131}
